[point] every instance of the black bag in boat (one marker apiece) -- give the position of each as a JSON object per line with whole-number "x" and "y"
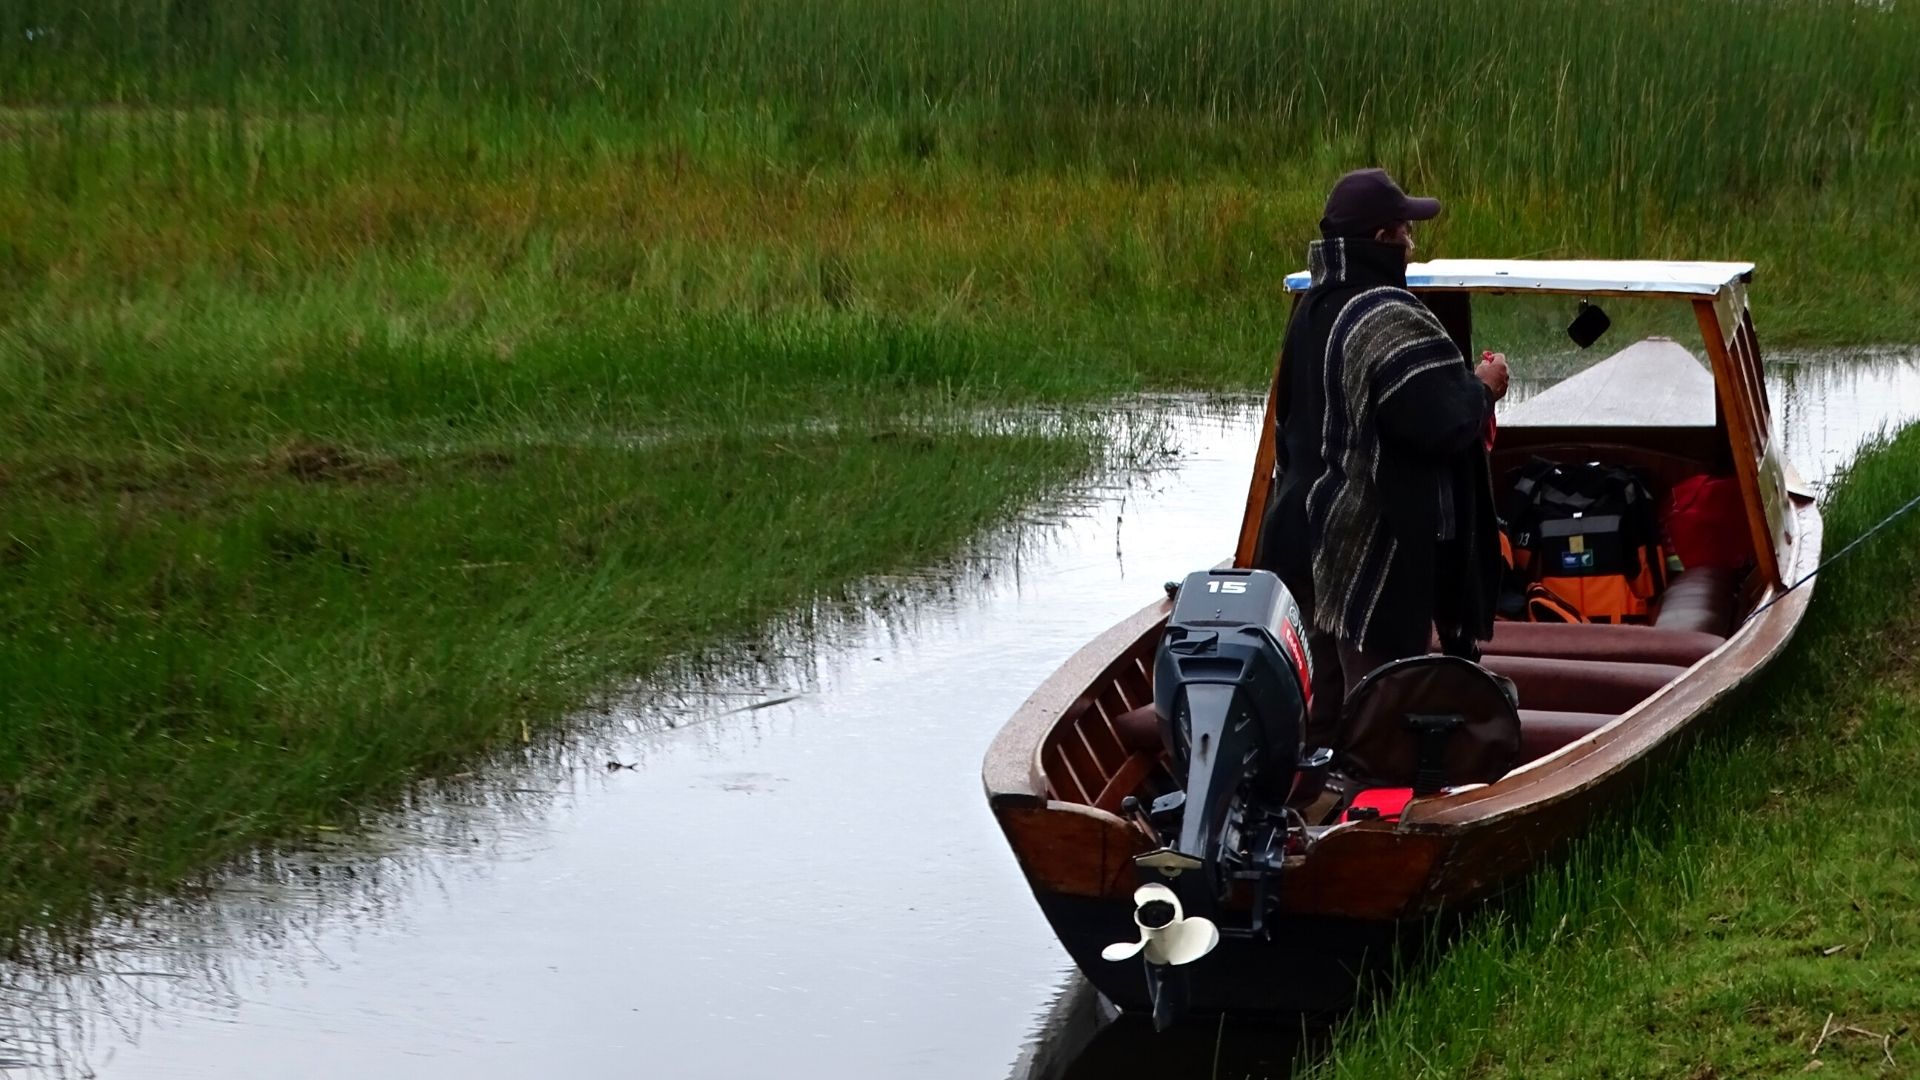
{"x": 1590, "y": 533}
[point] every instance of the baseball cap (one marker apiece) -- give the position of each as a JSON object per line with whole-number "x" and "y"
{"x": 1367, "y": 199}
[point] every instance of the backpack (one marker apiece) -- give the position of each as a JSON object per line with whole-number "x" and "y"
{"x": 1589, "y": 535}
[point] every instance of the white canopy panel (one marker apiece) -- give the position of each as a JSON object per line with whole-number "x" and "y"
{"x": 1568, "y": 276}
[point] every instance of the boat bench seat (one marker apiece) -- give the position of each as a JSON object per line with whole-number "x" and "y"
{"x": 1600, "y": 641}
{"x": 1695, "y": 614}
{"x": 1589, "y": 686}
{"x": 1702, "y": 600}
{"x": 1542, "y": 731}
{"x": 1138, "y": 729}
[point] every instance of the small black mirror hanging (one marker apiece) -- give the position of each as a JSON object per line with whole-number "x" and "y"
{"x": 1588, "y": 325}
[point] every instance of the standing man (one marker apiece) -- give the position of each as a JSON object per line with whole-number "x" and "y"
{"x": 1383, "y": 524}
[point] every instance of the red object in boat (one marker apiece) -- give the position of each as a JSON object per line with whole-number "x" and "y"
{"x": 1387, "y": 802}
{"x": 1707, "y": 523}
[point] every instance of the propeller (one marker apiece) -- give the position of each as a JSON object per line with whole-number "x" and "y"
{"x": 1165, "y": 937}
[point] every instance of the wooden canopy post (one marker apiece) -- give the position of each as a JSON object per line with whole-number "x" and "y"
{"x": 1264, "y": 456}
{"x": 1261, "y": 485}
{"x": 1740, "y": 388}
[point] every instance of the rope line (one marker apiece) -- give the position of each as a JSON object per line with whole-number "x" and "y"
{"x": 1836, "y": 556}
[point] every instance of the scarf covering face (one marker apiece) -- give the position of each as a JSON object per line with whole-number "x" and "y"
{"x": 1381, "y": 339}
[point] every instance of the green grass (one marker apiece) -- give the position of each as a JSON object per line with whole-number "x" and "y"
{"x": 1768, "y": 883}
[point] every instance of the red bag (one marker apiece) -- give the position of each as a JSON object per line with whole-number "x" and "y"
{"x": 1706, "y": 523}
{"x": 1381, "y": 804}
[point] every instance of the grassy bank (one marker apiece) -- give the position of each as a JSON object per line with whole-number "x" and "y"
{"x": 1758, "y": 897}
{"x": 206, "y": 649}
{"x": 373, "y": 376}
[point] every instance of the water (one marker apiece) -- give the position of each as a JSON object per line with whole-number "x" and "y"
{"x": 811, "y": 888}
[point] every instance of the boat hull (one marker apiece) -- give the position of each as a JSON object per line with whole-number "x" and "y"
{"x": 1365, "y": 892}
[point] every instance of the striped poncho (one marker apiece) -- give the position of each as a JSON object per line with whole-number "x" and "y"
{"x": 1379, "y": 345}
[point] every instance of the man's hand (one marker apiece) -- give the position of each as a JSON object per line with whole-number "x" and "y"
{"x": 1493, "y": 372}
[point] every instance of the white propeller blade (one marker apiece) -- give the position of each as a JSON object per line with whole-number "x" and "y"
{"x": 1183, "y": 942}
{"x": 1178, "y": 941}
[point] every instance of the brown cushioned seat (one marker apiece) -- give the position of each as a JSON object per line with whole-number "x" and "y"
{"x": 1138, "y": 729}
{"x": 1591, "y": 686}
{"x": 1701, "y": 600}
{"x": 1601, "y": 641}
{"x": 1542, "y": 731}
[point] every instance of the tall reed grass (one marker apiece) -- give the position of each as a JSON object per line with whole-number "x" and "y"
{"x": 923, "y": 156}
{"x": 1645, "y": 105}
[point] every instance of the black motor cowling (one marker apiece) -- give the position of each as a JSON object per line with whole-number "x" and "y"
{"x": 1231, "y": 682}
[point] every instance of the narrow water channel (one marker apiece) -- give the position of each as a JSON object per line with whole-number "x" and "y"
{"x": 790, "y": 876}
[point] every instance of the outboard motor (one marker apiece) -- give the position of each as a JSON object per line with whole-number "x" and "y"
{"x": 1231, "y": 683}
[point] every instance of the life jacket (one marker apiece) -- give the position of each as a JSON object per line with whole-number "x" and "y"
{"x": 1589, "y": 536}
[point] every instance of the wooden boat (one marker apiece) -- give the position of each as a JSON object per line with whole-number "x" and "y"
{"x": 1069, "y": 775}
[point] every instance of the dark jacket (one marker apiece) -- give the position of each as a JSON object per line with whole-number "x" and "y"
{"x": 1383, "y": 515}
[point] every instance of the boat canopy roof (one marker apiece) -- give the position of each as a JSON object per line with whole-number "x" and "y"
{"x": 1579, "y": 276}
